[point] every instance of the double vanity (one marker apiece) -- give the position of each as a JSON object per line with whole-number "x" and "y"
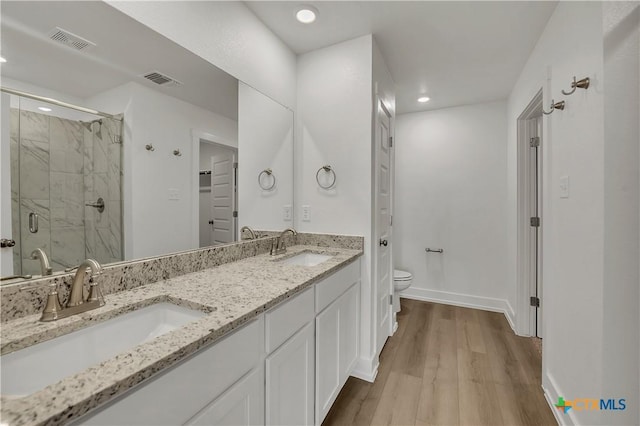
{"x": 258, "y": 339}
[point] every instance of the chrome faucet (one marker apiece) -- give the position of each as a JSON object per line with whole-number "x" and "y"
{"x": 252, "y": 234}
{"x": 45, "y": 266}
{"x": 278, "y": 245}
{"x": 76, "y": 304}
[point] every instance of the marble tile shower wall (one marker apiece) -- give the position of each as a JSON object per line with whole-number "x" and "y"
{"x": 102, "y": 177}
{"x": 51, "y": 158}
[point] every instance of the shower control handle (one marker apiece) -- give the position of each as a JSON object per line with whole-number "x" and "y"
{"x": 99, "y": 205}
{"x": 4, "y": 242}
{"x": 383, "y": 242}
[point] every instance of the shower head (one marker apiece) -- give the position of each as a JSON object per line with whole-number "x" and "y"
{"x": 88, "y": 124}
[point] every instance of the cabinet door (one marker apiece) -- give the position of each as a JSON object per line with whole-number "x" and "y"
{"x": 328, "y": 359}
{"x": 349, "y": 331}
{"x": 290, "y": 381}
{"x": 240, "y": 405}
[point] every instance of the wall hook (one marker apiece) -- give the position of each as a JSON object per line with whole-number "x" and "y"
{"x": 149, "y": 147}
{"x": 177, "y": 153}
{"x": 554, "y": 106}
{"x": 580, "y": 84}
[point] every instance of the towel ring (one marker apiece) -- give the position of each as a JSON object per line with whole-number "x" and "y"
{"x": 267, "y": 172}
{"x": 327, "y": 169}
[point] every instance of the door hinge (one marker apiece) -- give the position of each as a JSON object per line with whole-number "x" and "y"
{"x": 535, "y": 222}
{"x": 235, "y": 165}
{"x": 390, "y": 220}
{"x": 534, "y": 142}
{"x": 235, "y": 213}
{"x": 534, "y": 301}
{"x": 391, "y": 299}
{"x": 390, "y": 141}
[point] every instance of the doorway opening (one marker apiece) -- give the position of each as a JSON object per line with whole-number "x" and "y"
{"x": 530, "y": 145}
{"x": 218, "y": 193}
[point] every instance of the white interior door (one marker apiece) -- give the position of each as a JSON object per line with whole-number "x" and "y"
{"x": 383, "y": 269}
{"x": 223, "y": 197}
{"x": 534, "y": 194}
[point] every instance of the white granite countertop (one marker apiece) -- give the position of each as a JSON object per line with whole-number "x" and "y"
{"x": 231, "y": 294}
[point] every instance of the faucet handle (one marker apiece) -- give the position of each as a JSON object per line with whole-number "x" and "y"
{"x": 95, "y": 293}
{"x": 52, "y": 308}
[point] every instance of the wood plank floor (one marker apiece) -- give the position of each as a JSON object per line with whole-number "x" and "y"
{"x": 448, "y": 366}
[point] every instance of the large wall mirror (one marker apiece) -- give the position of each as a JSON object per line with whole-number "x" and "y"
{"x": 169, "y": 154}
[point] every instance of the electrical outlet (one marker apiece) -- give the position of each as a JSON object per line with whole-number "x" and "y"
{"x": 286, "y": 212}
{"x": 174, "y": 194}
{"x": 564, "y": 186}
{"x": 306, "y": 213}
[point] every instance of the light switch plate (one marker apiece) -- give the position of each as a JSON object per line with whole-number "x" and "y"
{"x": 564, "y": 186}
{"x": 286, "y": 212}
{"x": 306, "y": 213}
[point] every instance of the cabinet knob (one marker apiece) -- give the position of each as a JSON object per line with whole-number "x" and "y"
{"x": 383, "y": 242}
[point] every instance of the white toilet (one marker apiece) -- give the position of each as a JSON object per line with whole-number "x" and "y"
{"x": 401, "y": 281}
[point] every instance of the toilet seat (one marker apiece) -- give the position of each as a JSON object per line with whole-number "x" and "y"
{"x": 400, "y": 275}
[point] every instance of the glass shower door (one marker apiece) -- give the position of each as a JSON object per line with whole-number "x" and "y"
{"x": 61, "y": 161}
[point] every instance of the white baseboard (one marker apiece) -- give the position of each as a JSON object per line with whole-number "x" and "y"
{"x": 366, "y": 369}
{"x": 462, "y": 300}
{"x": 551, "y": 394}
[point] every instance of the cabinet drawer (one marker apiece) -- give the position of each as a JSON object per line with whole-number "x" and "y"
{"x": 285, "y": 319}
{"x": 175, "y": 395}
{"x": 330, "y": 288}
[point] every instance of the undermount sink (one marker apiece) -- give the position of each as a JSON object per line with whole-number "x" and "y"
{"x": 306, "y": 259}
{"x": 35, "y": 367}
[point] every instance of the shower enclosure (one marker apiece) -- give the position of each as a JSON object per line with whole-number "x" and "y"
{"x": 66, "y": 193}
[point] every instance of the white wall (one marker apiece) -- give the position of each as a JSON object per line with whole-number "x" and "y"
{"x": 334, "y": 107}
{"x": 154, "y": 224}
{"x": 621, "y": 83}
{"x": 228, "y": 35}
{"x": 585, "y": 322}
{"x": 451, "y": 194}
{"x": 6, "y": 255}
{"x": 265, "y": 133}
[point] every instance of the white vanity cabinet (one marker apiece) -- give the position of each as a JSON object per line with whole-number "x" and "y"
{"x": 290, "y": 367}
{"x": 220, "y": 384}
{"x": 286, "y": 367}
{"x": 337, "y": 335}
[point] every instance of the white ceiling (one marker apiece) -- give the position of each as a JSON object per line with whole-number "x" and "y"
{"x": 454, "y": 52}
{"x": 125, "y": 49}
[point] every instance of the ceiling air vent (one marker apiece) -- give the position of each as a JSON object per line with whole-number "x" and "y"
{"x": 161, "y": 79}
{"x": 69, "y": 39}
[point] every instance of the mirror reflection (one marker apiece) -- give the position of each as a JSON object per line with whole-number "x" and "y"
{"x": 166, "y": 154}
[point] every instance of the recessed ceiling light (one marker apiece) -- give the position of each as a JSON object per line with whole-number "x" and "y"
{"x": 423, "y": 99}
{"x": 306, "y": 14}
{"x": 45, "y": 109}
{"x": 2, "y": 60}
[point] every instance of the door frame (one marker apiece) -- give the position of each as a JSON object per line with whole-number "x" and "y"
{"x": 529, "y": 278}
{"x": 379, "y": 102}
{"x": 196, "y": 137}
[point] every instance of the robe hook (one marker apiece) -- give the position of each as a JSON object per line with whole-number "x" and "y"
{"x": 554, "y": 105}
{"x": 581, "y": 84}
